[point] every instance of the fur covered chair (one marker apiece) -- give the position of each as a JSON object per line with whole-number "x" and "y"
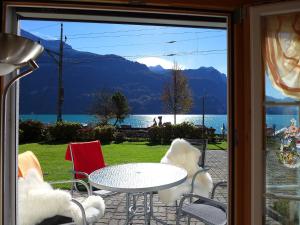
{"x": 38, "y": 201}
{"x": 182, "y": 154}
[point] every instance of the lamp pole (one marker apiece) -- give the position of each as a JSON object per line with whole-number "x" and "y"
{"x": 16, "y": 52}
{"x": 8, "y": 187}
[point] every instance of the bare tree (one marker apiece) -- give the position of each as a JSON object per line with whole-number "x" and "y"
{"x": 177, "y": 96}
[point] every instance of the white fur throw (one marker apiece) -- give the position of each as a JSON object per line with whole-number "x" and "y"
{"x": 37, "y": 200}
{"x": 182, "y": 154}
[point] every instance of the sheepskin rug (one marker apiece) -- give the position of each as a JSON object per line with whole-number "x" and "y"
{"x": 182, "y": 154}
{"x": 37, "y": 200}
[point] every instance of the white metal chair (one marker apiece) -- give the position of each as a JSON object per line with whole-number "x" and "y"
{"x": 28, "y": 165}
{"x": 206, "y": 210}
{"x": 182, "y": 154}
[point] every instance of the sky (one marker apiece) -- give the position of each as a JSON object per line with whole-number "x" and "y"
{"x": 271, "y": 91}
{"x": 152, "y": 45}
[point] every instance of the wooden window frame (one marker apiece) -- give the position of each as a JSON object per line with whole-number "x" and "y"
{"x": 236, "y": 199}
{"x": 258, "y": 104}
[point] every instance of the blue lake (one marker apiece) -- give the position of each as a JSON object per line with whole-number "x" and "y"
{"x": 141, "y": 121}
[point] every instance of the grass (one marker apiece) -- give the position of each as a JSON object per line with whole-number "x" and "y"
{"x": 218, "y": 146}
{"x": 55, "y": 167}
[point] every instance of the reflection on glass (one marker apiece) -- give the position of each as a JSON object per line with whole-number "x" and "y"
{"x": 282, "y": 162}
{"x": 281, "y": 42}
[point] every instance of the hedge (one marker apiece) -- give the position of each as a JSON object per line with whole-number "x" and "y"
{"x": 166, "y": 133}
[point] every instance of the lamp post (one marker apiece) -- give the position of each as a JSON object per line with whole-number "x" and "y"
{"x": 15, "y": 52}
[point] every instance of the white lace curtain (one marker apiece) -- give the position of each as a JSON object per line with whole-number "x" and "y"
{"x": 281, "y": 51}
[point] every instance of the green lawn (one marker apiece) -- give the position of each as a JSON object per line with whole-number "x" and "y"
{"x": 51, "y": 156}
{"x": 218, "y": 146}
{"x": 55, "y": 167}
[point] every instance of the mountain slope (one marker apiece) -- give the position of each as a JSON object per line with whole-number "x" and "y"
{"x": 86, "y": 73}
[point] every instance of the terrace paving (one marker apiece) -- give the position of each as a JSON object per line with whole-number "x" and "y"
{"x": 115, "y": 205}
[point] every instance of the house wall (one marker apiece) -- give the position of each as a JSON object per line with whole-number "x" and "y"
{"x": 241, "y": 91}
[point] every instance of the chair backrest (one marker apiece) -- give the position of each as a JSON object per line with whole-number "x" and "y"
{"x": 27, "y": 161}
{"x": 181, "y": 153}
{"x": 86, "y": 157}
{"x": 201, "y": 144}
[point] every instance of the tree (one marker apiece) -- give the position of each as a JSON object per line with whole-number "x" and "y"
{"x": 120, "y": 107}
{"x": 108, "y": 105}
{"x": 177, "y": 96}
{"x": 102, "y": 106}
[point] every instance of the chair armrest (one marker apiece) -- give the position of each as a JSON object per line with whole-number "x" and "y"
{"x": 74, "y": 181}
{"x": 205, "y": 200}
{"x": 222, "y": 183}
{"x": 79, "y": 172}
{"x": 202, "y": 170}
{"x": 84, "y": 221}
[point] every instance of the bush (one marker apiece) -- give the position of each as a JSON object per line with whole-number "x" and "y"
{"x": 282, "y": 207}
{"x": 21, "y": 136}
{"x": 85, "y": 134}
{"x": 161, "y": 135}
{"x": 154, "y": 135}
{"x": 31, "y": 131}
{"x": 184, "y": 130}
{"x": 64, "y": 131}
{"x": 119, "y": 137}
{"x": 167, "y": 133}
{"x": 105, "y": 133}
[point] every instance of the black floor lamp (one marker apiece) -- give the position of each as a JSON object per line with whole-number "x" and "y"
{"x": 15, "y": 53}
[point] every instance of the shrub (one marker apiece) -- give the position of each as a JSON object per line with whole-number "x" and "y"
{"x": 161, "y": 135}
{"x": 154, "y": 135}
{"x": 184, "y": 130}
{"x": 282, "y": 207}
{"x": 31, "y": 131}
{"x": 104, "y": 133}
{"x": 119, "y": 137}
{"x": 64, "y": 131}
{"x": 167, "y": 133}
{"x": 85, "y": 134}
{"x": 21, "y": 136}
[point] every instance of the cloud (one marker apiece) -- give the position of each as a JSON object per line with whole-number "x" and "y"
{"x": 154, "y": 61}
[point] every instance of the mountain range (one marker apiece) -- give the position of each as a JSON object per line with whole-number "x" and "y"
{"x": 85, "y": 74}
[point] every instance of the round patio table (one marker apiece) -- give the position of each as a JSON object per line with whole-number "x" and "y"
{"x": 136, "y": 179}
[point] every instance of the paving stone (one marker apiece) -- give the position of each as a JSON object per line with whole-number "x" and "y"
{"x": 115, "y": 205}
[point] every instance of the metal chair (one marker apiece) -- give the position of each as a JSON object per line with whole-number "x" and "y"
{"x": 28, "y": 161}
{"x": 201, "y": 144}
{"x": 206, "y": 210}
{"x": 182, "y": 154}
{"x": 86, "y": 157}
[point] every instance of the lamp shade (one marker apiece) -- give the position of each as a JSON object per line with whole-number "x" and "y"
{"x": 16, "y": 51}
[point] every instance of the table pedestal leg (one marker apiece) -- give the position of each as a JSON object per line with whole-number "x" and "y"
{"x": 147, "y": 207}
{"x": 151, "y": 211}
{"x": 127, "y": 208}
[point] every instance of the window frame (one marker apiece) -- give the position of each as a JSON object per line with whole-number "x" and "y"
{"x": 10, "y": 8}
{"x": 258, "y": 104}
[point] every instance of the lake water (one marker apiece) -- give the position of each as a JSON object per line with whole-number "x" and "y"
{"x": 141, "y": 121}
